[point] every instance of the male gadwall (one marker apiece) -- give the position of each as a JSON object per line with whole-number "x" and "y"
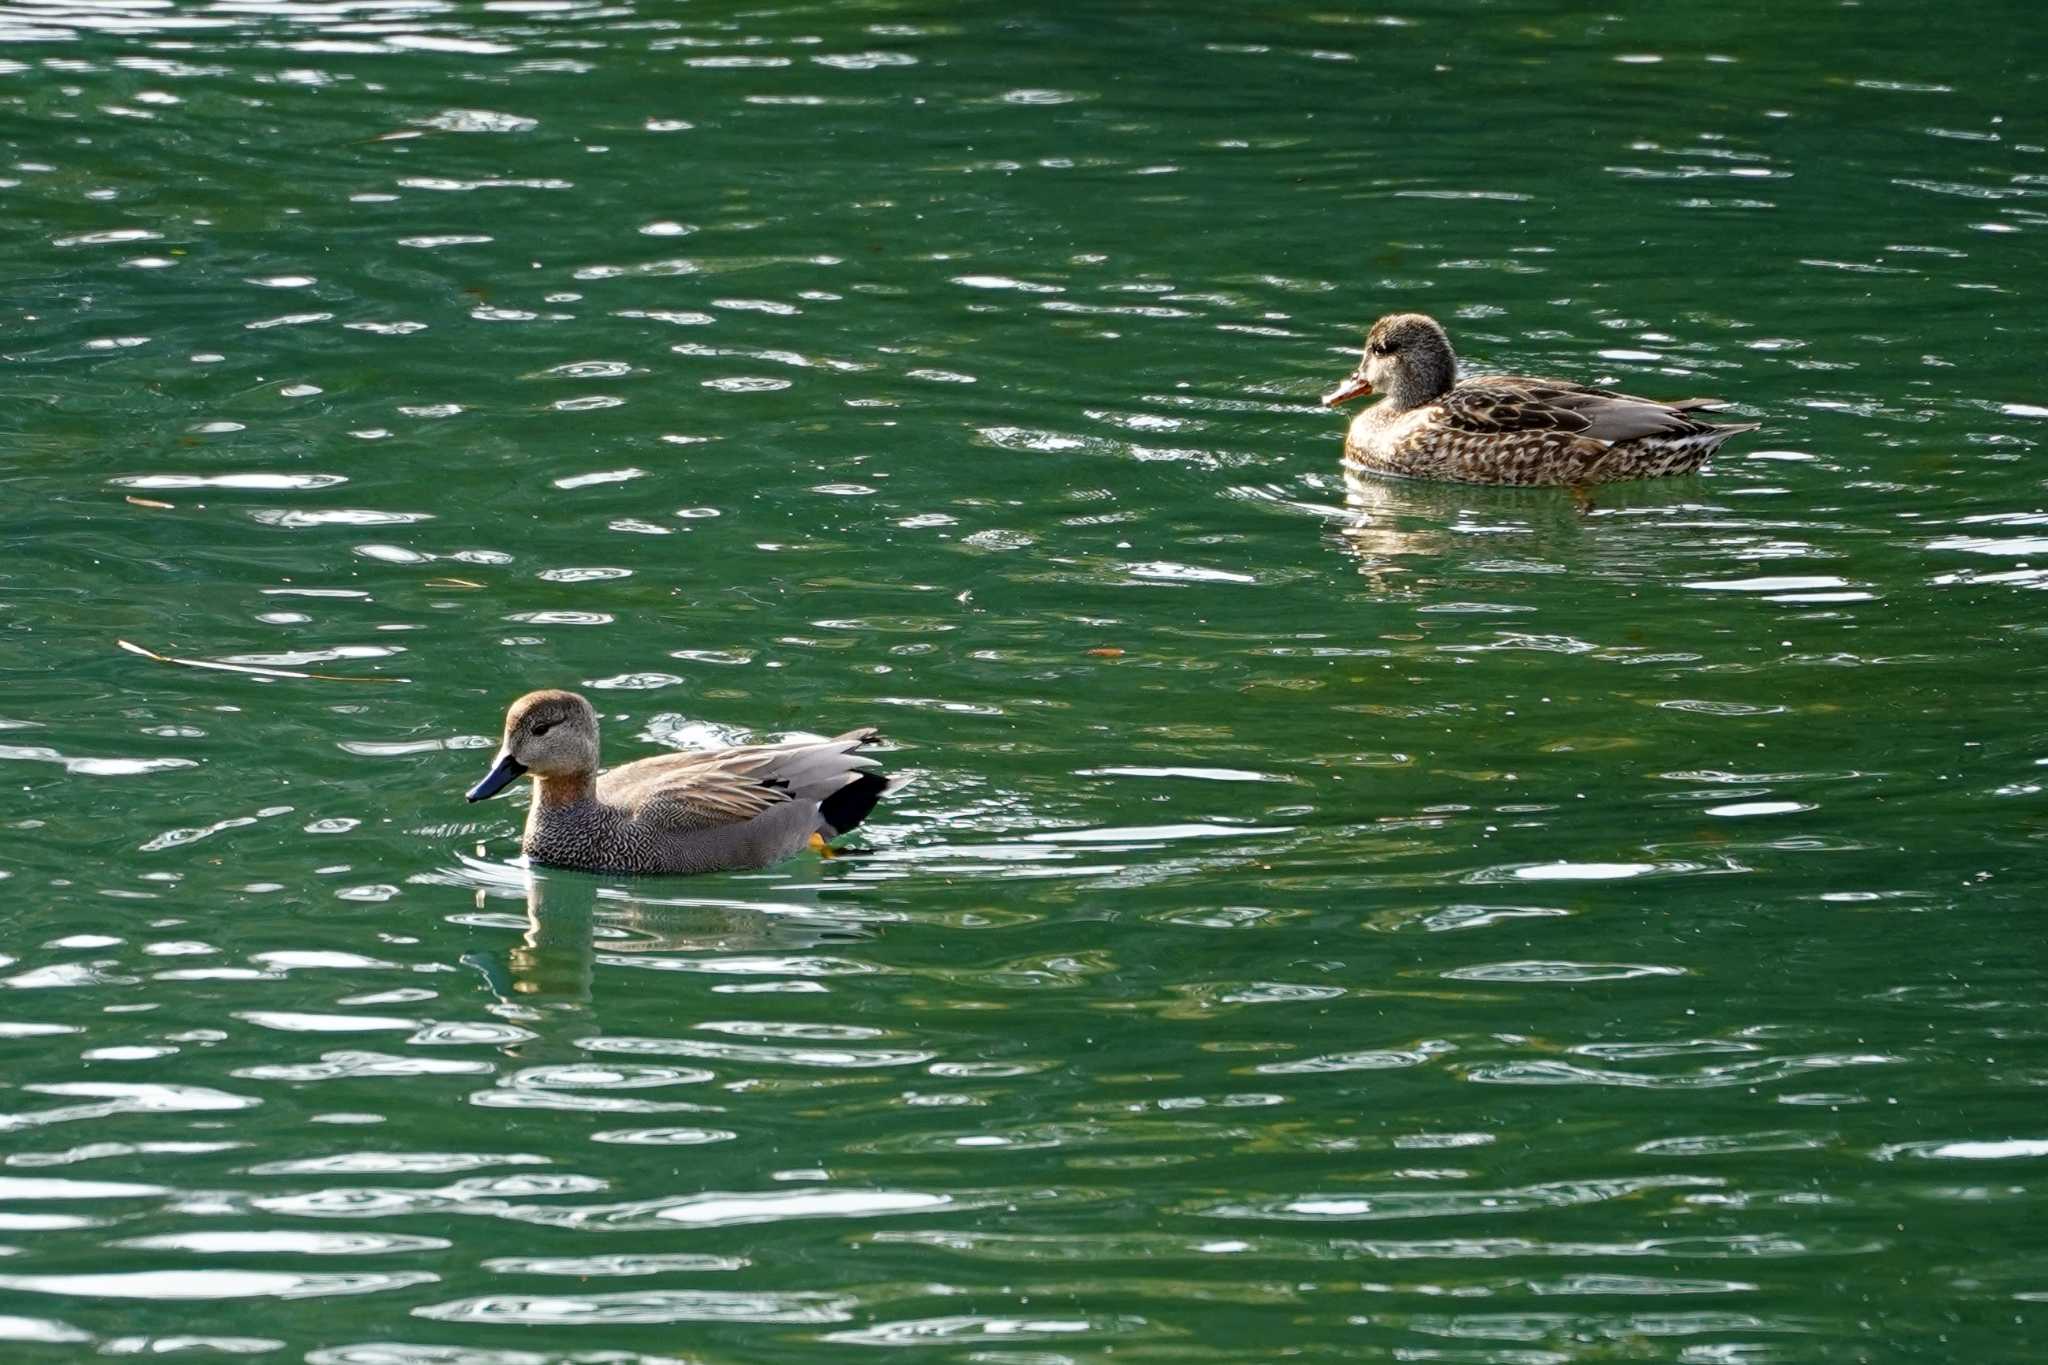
{"x": 718, "y": 811}
{"x": 1495, "y": 429}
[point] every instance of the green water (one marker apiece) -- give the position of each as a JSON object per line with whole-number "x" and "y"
{"x": 1456, "y": 927}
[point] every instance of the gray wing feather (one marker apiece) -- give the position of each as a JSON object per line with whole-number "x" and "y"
{"x": 687, "y": 792}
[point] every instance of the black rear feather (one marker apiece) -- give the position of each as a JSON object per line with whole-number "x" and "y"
{"x": 846, "y": 808}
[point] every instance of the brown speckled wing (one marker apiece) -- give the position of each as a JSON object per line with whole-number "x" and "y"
{"x": 1532, "y": 405}
{"x": 1490, "y": 407}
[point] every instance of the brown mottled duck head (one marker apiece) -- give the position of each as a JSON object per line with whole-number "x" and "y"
{"x": 548, "y": 734}
{"x": 1407, "y": 356}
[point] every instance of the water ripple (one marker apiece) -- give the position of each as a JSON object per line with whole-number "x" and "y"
{"x": 652, "y": 1306}
{"x": 202, "y": 1285}
{"x": 722, "y": 1209}
{"x": 843, "y": 1058}
{"x": 1402, "y": 1204}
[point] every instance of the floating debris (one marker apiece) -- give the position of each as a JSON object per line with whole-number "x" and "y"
{"x": 250, "y": 668}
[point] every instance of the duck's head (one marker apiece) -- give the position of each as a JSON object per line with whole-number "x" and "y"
{"x": 548, "y": 734}
{"x": 1407, "y": 356}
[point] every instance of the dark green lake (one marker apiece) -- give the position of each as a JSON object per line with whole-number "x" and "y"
{"x": 1377, "y": 923}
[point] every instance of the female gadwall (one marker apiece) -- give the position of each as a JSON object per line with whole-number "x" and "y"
{"x": 719, "y": 811}
{"x": 1431, "y": 425}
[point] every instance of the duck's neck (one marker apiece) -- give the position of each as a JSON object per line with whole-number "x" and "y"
{"x": 1426, "y": 376}
{"x": 554, "y": 793}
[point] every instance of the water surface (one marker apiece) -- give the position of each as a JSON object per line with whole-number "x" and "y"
{"x": 1330, "y": 922}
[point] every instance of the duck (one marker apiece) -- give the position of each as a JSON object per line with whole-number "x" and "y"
{"x": 721, "y": 810}
{"x": 1498, "y": 429}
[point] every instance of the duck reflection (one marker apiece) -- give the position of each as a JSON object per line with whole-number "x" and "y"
{"x": 574, "y": 923}
{"x": 556, "y": 958}
{"x": 1389, "y": 521}
{"x": 1392, "y": 524}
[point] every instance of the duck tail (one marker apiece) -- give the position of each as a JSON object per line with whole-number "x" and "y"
{"x": 853, "y": 800}
{"x": 1695, "y": 405}
{"x": 844, "y": 809}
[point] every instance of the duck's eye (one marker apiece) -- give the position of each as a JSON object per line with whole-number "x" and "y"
{"x": 543, "y": 728}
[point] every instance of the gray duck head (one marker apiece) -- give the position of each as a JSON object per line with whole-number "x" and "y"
{"x": 548, "y": 734}
{"x": 1407, "y": 357}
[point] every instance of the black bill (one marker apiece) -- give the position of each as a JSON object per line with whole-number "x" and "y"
{"x": 502, "y": 772}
